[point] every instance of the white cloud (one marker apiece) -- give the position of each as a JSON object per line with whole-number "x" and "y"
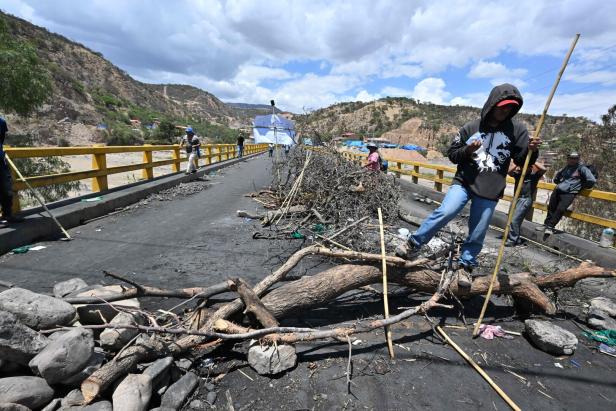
{"x": 431, "y": 89}
{"x": 491, "y": 69}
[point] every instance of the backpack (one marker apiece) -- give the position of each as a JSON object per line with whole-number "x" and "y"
{"x": 383, "y": 164}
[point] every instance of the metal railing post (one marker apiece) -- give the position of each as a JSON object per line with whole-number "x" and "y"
{"x": 398, "y": 173}
{"x": 209, "y": 154}
{"x": 16, "y": 203}
{"x": 416, "y": 177}
{"x": 438, "y": 185}
{"x": 99, "y": 162}
{"x": 219, "y": 153}
{"x": 148, "y": 172}
{"x": 177, "y": 165}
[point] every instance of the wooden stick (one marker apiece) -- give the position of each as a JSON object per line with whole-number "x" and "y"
{"x": 254, "y": 305}
{"x": 390, "y": 346}
{"x": 37, "y": 195}
{"x": 477, "y": 368}
{"x": 518, "y": 189}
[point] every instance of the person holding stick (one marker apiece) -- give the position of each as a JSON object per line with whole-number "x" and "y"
{"x": 482, "y": 150}
{"x": 191, "y": 144}
{"x": 6, "y": 182}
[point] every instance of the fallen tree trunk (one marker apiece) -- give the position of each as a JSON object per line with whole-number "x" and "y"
{"x": 254, "y": 305}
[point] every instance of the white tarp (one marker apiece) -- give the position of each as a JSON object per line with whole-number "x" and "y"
{"x": 273, "y": 129}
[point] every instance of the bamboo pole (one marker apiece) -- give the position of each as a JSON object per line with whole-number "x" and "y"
{"x": 37, "y": 196}
{"x": 477, "y": 368}
{"x": 519, "y": 188}
{"x": 390, "y": 345}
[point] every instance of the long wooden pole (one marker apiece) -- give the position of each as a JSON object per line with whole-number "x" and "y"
{"x": 519, "y": 188}
{"x": 390, "y": 345}
{"x": 477, "y": 368}
{"x": 37, "y": 196}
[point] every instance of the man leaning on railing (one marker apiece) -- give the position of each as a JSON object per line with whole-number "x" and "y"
{"x": 6, "y": 182}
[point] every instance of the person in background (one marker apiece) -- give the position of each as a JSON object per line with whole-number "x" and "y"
{"x": 482, "y": 150}
{"x": 525, "y": 200}
{"x": 569, "y": 181}
{"x": 6, "y": 182}
{"x": 374, "y": 162}
{"x": 287, "y": 148}
{"x": 191, "y": 144}
{"x": 270, "y": 150}
{"x": 240, "y": 146}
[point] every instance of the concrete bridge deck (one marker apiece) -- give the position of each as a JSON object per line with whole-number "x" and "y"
{"x": 197, "y": 240}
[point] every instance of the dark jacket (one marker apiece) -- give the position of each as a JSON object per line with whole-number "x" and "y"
{"x": 484, "y": 172}
{"x": 572, "y": 179}
{"x": 3, "y": 130}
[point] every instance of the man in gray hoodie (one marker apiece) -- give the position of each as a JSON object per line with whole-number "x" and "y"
{"x": 482, "y": 150}
{"x": 569, "y": 181}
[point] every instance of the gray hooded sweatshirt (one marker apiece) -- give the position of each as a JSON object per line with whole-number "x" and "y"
{"x": 484, "y": 172}
{"x": 571, "y": 179}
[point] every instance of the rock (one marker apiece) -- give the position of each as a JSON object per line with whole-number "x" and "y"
{"x": 53, "y": 405}
{"x": 18, "y": 343}
{"x": 133, "y": 393}
{"x": 211, "y": 397}
{"x": 74, "y": 397}
{"x": 9, "y": 406}
{"x": 33, "y": 392}
{"x": 604, "y": 304}
{"x": 209, "y": 386}
{"x": 64, "y": 288}
{"x": 184, "y": 364}
{"x": 551, "y": 338}
{"x": 197, "y": 405}
{"x": 267, "y": 360}
{"x": 37, "y": 311}
{"x": 97, "y": 406}
{"x": 89, "y": 313}
{"x": 600, "y": 320}
{"x": 64, "y": 357}
{"x": 94, "y": 363}
{"x": 115, "y": 339}
{"x": 159, "y": 373}
{"x": 177, "y": 393}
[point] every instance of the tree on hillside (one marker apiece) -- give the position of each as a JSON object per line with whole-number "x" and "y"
{"x": 25, "y": 83}
{"x": 598, "y": 148}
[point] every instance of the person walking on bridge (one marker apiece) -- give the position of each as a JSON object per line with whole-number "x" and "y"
{"x": 191, "y": 144}
{"x": 240, "y": 146}
{"x": 482, "y": 150}
{"x": 574, "y": 177}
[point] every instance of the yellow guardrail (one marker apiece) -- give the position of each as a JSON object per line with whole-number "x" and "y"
{"x": 439, "y": 179}
{"x": 210, "y": 153}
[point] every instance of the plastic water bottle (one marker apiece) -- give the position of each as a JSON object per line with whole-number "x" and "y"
{"x": 607, "y": 238}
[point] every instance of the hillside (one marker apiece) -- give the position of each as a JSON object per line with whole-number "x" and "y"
{"x": 89, "y": 90}
{"x": 407, "y": 121}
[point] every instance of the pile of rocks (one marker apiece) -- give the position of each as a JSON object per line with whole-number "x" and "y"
{"x": 40, "y": 369}
{"x": 602, "y": 314}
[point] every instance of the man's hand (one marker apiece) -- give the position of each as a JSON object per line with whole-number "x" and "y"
{"x": 534, "y": 143}
{"x": 474, "y": 146}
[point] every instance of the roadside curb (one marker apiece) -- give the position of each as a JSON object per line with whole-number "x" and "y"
{"x": 73, "y": 212}
{"x": 563, "y": 242}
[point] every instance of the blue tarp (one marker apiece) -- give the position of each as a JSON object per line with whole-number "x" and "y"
{"x": 354, "y": 143}
{"x": 412, "y": 147}
{"x": 273, "y": 129}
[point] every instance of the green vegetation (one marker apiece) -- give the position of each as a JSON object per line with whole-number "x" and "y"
{"x": 21, "y": 70}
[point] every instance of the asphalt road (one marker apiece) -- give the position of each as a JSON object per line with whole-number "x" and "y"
{"x": 197, "y": 240}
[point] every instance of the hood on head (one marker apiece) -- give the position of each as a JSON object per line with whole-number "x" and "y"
{"x": 499, "y": 93}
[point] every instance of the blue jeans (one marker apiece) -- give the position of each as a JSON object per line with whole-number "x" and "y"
{"x": 478, "y": 223}
{"x": 521, "y": 208}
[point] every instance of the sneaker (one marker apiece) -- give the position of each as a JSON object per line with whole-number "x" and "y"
{"x": 407, "y": 250}
{"x": 510, "y": 243}
{"x": 548, "y": 231}
{"x": 540, "y": 228}
{"x": 463, "y": 272}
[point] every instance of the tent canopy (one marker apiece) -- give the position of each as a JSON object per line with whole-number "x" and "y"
{"x": 273, "y": 129}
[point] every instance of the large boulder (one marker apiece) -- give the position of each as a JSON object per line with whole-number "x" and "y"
{"x": 65, "y": 356}
{"x": 551, "y": 338}
{"x": 9, "y": 406}
{"x": 159, "y": 373}
{"x": 133, "y": 393}
{"x": 270, "y": 359}
{"x": 18, "y": 343}
{"x": 32, "y": 392}
{"x": 95, "y": 313}
{"x": 115, "y": 338}
{"x": 64, "y": 288}
{"x": 94, "y": 363}
{"x": 604, "y": 304}
{"x": 96, "y": 406}
{"x": 177, "y": 393}
{"x": 37, "y": 311}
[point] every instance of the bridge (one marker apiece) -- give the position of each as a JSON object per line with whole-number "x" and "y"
{"x": 189, "y": 235}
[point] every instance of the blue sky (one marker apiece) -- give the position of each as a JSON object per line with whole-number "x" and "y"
{"x": 310, "y": 54}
